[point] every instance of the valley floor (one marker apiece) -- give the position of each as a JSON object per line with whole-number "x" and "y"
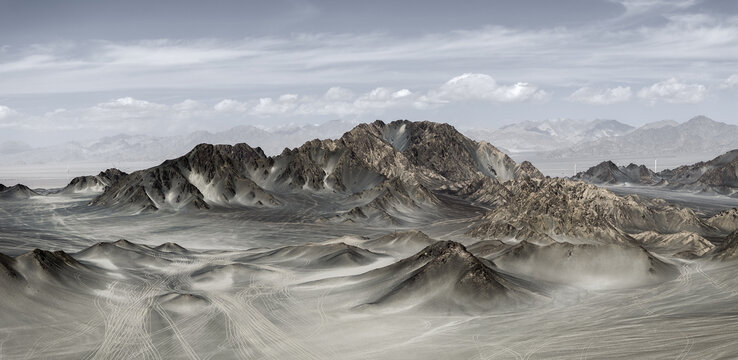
{"x": 209, "y": 301}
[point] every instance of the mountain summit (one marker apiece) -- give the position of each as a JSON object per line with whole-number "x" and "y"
{"x": 380, "y": 166}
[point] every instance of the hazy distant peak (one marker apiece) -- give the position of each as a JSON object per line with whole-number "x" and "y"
{"x": 701, "y": 120}
{"x": 659, "y": 124}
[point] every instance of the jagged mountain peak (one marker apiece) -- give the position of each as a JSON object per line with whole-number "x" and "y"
{"x": 423, "y": 156}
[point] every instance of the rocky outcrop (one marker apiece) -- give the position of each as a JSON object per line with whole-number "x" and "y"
{"x": 96, "y": 183}
{"x": 683, "y": 244}
{"x": 726, "y": 221}
{"x": 209, "y": 174}
{"x": 546, "y": 210}
{"x": 608, "y": 172}
{"x": 728, "y": 249}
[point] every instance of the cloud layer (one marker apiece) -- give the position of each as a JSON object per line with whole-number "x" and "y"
{"x": 680, "y": 46}
{"x": 141, "y": 115}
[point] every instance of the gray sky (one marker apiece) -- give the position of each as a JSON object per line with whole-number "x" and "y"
{"x": 82, "y": 69}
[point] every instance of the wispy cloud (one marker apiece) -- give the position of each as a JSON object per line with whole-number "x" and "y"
{"x": 682, "y": 45}
{"x": 588, "y": 95}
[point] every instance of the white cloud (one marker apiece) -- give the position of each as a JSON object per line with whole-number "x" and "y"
{"x": 673, "y": 91}
{"x": 587, "y": 95}
{"x": 129, "y": 103}
{"x": 480, "y": 87}
{"x": 337, "y": 93}
{"x": 230, "y": 105}
{"x": 381, "y": 98}
{"x": 267, "y": 106}
{"x": 6, "y": 112}
{"x": 401, "y": 93}
{"x": 730, "y": 82}
{"x": 188, "y": 105}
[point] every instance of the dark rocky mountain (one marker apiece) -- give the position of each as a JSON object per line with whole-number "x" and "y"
{"x": 608, "y": 172}
{"x": 380, "y": 169}
{"x": 719, "y": 175}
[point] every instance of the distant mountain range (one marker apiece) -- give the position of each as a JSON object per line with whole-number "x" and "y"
{"x": 554, "y": 139}
{"x": 549, "y": 135}
{"x": 699, "y": 135}
{"x": 134, "y": 148}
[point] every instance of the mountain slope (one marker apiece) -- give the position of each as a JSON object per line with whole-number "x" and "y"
{"x": 443, "y": 277}
{"x": 96, "y": 183}
{"x": 604, "y": 266}
{"x": 543, "y": 211}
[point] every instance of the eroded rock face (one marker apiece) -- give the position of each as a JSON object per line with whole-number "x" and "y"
{"x": 544, "y": 210}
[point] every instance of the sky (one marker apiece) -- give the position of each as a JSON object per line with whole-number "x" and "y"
{"x": 81, "y": 69}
